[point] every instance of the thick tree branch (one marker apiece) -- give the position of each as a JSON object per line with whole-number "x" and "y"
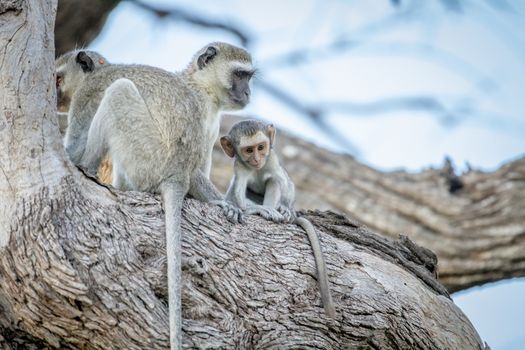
{"x": 78, "y": 22}
{"x": 88, "y": 270}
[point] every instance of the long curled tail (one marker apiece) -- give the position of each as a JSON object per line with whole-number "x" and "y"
{"x": 322, "y": 276}
{"x": 173, "y": 196}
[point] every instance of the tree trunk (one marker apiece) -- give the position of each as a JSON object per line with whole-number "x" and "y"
{"x": 83, "y": 266}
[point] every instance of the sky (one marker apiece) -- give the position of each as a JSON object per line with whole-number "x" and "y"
{"x": 471, "y": 60}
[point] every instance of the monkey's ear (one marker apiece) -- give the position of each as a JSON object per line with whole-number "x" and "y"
{"x": 206, "y": 57}
{"x": 85, "y": 62}
{"x": 227, "y": 146}
{"x": 271, "y": 133}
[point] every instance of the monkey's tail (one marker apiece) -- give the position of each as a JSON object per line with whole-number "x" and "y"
{"x": 322, "y": 275}
{"x": 173, "y": 196}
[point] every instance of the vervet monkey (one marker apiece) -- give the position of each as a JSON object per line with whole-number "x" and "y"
{"x": 70, "y": 70}
{"x": 159, "y": 129}
{"x": 260, "y": 185}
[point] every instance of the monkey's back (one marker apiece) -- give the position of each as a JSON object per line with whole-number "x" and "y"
{"x": 158, "y": 134}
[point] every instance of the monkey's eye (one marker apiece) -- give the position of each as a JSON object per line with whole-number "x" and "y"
{"x": 249, "y": 150}
{"x": 242, "y": 74}
{"x": 260, "y": 147}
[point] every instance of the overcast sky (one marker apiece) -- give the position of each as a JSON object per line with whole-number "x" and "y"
{"x": 471, "y": 60}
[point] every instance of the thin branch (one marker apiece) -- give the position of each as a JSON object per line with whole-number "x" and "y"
{"x": 345, "y": 41}
{"x": 192, "y": 18}
{"x": 418, "y": 103}
{"x": 452, "y": 5}
{"x": 501, "y": 5}
{"x": 447, "y": 115}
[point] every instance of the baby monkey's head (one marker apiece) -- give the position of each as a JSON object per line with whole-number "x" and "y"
{"x": 250, "y": 141}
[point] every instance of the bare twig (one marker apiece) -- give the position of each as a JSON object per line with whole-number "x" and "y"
{"x": 195, "y": 19}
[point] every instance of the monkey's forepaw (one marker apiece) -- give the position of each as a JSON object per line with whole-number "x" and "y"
{"x": 267, "y": 213}
{"x": 287, "y": 213}
{"x": 232, "y": 213}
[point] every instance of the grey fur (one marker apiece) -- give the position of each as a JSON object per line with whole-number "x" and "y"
{"x": 270, "y": 192}
{"x": 246, "y": 128}
{"x": 159, "y": 128}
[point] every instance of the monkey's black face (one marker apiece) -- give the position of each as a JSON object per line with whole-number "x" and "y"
{"x": 240, "y": 90}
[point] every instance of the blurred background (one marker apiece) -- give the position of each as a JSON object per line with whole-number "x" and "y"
{"x": 396, "y": 84}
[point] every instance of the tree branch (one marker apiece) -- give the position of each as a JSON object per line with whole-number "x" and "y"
{"x": 90, "y": 272}
{"x": 78, "y": 22}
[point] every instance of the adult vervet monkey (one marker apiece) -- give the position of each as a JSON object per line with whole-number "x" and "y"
{"x": 260, "y": 185}
{"x": 159, "y": 128}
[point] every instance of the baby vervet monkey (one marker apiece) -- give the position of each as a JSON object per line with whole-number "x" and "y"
{"x": 260, "y": 185}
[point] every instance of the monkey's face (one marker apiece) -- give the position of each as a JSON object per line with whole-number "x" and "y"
{"x": 239, "y": 93}
{"x": 233, "y": 87}
{"x": 225, "y": 71}
{"x": 254, "y": 150}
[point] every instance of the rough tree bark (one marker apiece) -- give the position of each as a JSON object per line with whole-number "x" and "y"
{"x": 82, "y": 265}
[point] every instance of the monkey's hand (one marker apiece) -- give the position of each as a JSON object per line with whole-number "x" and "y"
{"x": 287, "y": 213}
{"x": 267, "y": 213}
{"x": 232, "y": 213}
